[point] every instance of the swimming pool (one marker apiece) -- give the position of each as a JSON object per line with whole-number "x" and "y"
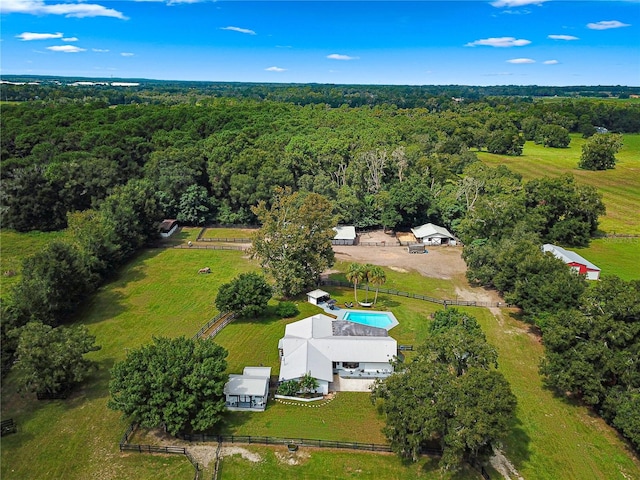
{"x": 386, "y": 320}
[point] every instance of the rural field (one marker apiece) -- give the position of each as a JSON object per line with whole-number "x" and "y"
{"x": 620, "y": 187}
{"x": 160, "y": 293}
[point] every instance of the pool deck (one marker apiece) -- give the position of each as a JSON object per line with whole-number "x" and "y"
{"x": 340, "y": 312}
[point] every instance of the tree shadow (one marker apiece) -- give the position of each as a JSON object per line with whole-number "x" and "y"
{"x": 518, "y": 441}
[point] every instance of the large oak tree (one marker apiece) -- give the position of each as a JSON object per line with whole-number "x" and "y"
{"x": 174, "y": 383}
{"x": 294, "y": 243}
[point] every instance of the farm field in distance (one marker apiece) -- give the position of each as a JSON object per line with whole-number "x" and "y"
{"x": 160, "y": 293}
{"x": 620, "y": 186}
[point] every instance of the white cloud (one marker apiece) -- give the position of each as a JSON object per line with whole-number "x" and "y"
{"x": 238, "y": 29}
{"x": 78, "y": 10}
{"x": 70, "y": 39}
{"x": 339, "y": 56}
{"x": 606, "y": 25}
{"x": 521, "y": 60}
{"x": 127, "y": 54}
{"x": 99, "y": 50}
{"x": 275, "y": 69}
{"x": 562, "y": 37}
{"x": 27, "y": 36}
{"x": 66, "y": 49}
{"x": 551, "y": 62}
{"x": 500, "y": 42}
{"x": 516, "y": 3}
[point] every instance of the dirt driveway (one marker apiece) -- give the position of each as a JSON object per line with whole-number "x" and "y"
{"x": 443, "y": 262}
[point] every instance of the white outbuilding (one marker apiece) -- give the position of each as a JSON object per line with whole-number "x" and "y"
{"x": 431, "y": 234}
{"x": 345, "y": 235}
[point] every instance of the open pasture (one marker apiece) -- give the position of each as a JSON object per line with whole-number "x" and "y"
{"x": 620, "y": 186}
{"x": 615, "y": 256}
{"x": 15, "y": 247}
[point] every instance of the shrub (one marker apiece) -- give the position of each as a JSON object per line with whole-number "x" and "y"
{"x": 287, "y": 309}
{"x": 289, "y": 388}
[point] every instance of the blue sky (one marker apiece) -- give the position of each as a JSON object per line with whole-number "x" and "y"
{"x": 499, "y": 42}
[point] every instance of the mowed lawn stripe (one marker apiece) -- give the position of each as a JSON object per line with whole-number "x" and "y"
{"x": 620, "y": 187}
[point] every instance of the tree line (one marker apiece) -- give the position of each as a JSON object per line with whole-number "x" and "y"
{"x": 215, "y": 160}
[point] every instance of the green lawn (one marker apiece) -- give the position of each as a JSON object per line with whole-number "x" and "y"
{"x": 308, "y": 463}
{"x": 160, "y": 293}
{"x": 15, "y": 247}
{"x": 552, "y": 438}
{"x": 614, "y": 256}
{"x": 620, "y": 186}
{"x": 228, "y": 233}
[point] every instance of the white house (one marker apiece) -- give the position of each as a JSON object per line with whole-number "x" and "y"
{"x": 249, "y": 391}
{"x": 323, "y": 347}
{"x": 345, "y": 235}
{"x": 575, "y": 261}
{"x": 431, "y": 234}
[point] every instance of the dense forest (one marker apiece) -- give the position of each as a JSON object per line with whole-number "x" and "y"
{"x": 110, "y": 163}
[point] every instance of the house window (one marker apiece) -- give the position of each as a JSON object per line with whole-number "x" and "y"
{"x": 350, "y": 365}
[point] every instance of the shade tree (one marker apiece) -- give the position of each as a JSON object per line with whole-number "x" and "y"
{"x": 450, "y": 396}
{"x": 293, "y": 244}
{"x": 51, "y": 360}
{"x": 173, "y": 383}
{"x": 599, "y": 151}
{"x": 247, "y": 295}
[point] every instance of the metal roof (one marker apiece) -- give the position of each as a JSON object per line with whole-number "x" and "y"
{"x": 309, "y": 345}
{"x": 567, "y": 256}
{"x": 431, "y": 230}
{"x": 345, "y": 232}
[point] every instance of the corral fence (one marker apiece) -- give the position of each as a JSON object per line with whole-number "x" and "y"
{"x": 225, "y": 322}
{"x": 125, "y": 446}
{"x": 8, "y": 426}
{"x": 226, "y": 317}
{"x": 299, "y": 442}
{"x": 417, "y": 296}
{"x": 291, "y": 442}
{"x": 378, "y": 244}
{"x": 225, "y": 240}
{"x": 207, "y": 247}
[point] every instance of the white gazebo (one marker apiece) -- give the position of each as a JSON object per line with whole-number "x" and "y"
{"x": 318, "y": 296}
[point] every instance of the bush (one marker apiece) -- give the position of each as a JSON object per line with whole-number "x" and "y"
{"x": 289, "y": 388}
{"x": 287, "y": 309}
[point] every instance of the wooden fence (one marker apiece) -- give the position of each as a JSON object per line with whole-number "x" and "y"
{"x": 8, "y": 426}
{"x": 260, "y": 440}
{"x": 209, "y": 324}
{"x": 426, "y": 298}
{"x": 230, "y": 318}
{"x": 206, "y": 247}
{"x": 225, "y": 240}
{"x": 300, "y": 442}
{"x": 125, "y": 446}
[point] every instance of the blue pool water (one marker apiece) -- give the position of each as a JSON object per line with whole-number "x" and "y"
{"x": 372, "y": 319}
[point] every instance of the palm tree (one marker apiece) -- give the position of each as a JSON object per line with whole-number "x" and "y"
{"x": 377, "y": 277}
{"x": 366, "y": 269}
{"x": 355, "y": 275}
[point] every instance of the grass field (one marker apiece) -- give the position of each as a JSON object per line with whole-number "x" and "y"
{"x": 620, "y": 186}
{"x": 160, "y": 293}
{"x": 15, "y": 247}
{"x": 615, "y": 256}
